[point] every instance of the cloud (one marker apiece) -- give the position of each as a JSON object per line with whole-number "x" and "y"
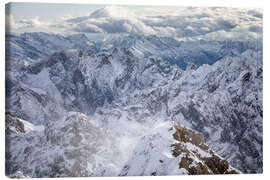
{"x": 226, "y": 24}
{"x": 87, "y": 28}
{"x": 25, "y": 23}
{"x": 32, "y": 23}
{"x": 178, "y": 22}
{"x": 255, "y": 29}
{"x": 104, "y": 21}
{"x": 112, "y": 11}
{"x": 66, "y": 17}
{"x": 255, "y": 13}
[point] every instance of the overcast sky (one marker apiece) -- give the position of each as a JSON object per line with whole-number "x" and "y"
{"x": 178, "y": 22}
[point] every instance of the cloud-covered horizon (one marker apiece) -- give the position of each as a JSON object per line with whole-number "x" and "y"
{"x": 180, "y": 23}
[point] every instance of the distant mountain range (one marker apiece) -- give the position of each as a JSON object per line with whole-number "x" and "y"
{"x": 35, "y": 46}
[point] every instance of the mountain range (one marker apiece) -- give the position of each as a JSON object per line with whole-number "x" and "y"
{"x": 132, "y": 105}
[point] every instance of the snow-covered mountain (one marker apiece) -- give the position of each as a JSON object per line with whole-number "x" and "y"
{"x": 76, "y": 147}
{"x": 172, "y": 149}
{"x": 35, "y": 46}
{"x": 72, "y": 146}
{"x": 71, "y": 98}
{"x": 181, "y": 52}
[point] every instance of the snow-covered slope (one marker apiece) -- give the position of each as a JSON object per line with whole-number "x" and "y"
{"x": 129, "y": 96}
{"x": 72, "y": 146}
{"x": 37, "y": 45}
{"x": 75, "y": 146}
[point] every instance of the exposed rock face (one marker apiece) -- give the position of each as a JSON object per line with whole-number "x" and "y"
{"x": 12, "y": 124}
{"x": 195, "y": 161}
{"x": 175, "y": 149}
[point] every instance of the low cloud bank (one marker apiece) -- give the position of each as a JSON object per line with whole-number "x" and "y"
{"x": 188, "y": 22}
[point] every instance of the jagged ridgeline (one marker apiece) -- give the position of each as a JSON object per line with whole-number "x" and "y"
{"x": 132, "y": 105}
